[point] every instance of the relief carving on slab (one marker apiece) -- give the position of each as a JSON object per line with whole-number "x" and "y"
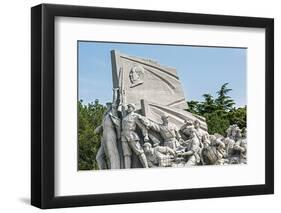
{"x": 136, "y": 75}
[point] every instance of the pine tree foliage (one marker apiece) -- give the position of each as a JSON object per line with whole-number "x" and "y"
{"x": 89, "y": 118}
{"x": 220, "y": 111}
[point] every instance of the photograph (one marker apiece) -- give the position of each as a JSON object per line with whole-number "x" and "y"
{"x": 160, "y": 105}
{"x": 142, "y": 105}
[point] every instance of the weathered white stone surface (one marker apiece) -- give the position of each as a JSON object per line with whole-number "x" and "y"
{"x": 154, "y": 89}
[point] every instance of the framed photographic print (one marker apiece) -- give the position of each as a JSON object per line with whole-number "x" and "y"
{"x": 140, "y": 106}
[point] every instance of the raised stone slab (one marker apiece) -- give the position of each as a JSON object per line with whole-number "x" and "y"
{"x": 154, "y": 89}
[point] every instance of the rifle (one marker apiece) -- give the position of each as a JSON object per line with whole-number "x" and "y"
{"x": 122, "y": 101}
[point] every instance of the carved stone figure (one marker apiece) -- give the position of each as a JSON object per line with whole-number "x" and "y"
{"x": 199, "y": 132}
{"x": 168, "y": 131}
{"x": 234, "y": 137}
{"x": 108, "y": 155}
{"x": 229, "y": 144}
{"x": 136, "y": 75}
{"x": 130, "y": 139}
{"x": 238, "y": 135}
{"x": 192, "y": 151}
{"x": 213, "y": 153}
{"x": 159, "y": 156}
{"x": 220, "y": 152}
{"x": 188, "y": 125}
{"x": 241, "y": 147}
{"x": 207, "y": 154}
{"x": 233, "y": 132}
{"x": 101, "y": 156}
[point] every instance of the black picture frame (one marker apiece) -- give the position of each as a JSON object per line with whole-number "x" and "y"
{"x": 43, "y": 102}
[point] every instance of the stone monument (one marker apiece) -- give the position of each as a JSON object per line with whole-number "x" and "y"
{"x": 148, "y": 125}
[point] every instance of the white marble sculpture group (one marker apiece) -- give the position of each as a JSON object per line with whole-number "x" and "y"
{"x": 146, "y": 124}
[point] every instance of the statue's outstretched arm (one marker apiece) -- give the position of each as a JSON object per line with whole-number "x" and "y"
{"x": 154, "y": 126}
{"x": 98, "y": 130}
{"x": 143, "y": 128}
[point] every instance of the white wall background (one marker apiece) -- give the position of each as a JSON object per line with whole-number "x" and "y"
{"x": 15, "y": 105}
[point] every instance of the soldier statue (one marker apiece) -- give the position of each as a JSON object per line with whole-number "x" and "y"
{"x": 201, "y": 134}
{"x": 192, "y": 151}
{"x": 168, "y": 131}
{"x": 108, "y": 156}
{"x": 159, "y": 156}
{"x": 241, "y": 147}
{"x": 130, "y": 139}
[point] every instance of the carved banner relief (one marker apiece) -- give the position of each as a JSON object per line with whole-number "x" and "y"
{"x": 154, "y": 89}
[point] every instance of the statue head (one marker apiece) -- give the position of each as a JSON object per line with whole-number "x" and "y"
{"x": 243, "y": 143}
{"x": 220, "y": 143}
{"x": 196, "y": 124}
{"x": 136, "y": 74}
{"x": 229, "y": 142}
{"x": 192, "y": 131}
{"x": 165, "y": 118}
{"x": 233, "y": 131}
{"x": 212, "y": 139}
{"x": 147, "y": 147}
{"x": 131, "y": 108}
{"x": 108, "y": 106}
{"x": 238, "y": 133}
{"x": 188, "y": 122}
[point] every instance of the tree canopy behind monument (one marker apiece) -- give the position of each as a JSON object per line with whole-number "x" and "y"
{"x": 220, "y": 111}
{"x": 89, "y": 117}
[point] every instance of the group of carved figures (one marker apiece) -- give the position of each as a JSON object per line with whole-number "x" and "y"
{"x": 129, "y": 134}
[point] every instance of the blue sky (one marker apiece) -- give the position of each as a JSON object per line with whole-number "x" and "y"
{"x": 200, "y": 69}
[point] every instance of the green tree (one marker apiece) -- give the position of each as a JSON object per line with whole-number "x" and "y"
{"x": 223, "y": 101}
{"x": 193, "y": 107}
{"x": 220, "y": 111}
{"x": 238, "y": 116}
{"x": 208, "y": 105}
{"x": 217, "y": 122}
{"x": 89, "y": 118}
